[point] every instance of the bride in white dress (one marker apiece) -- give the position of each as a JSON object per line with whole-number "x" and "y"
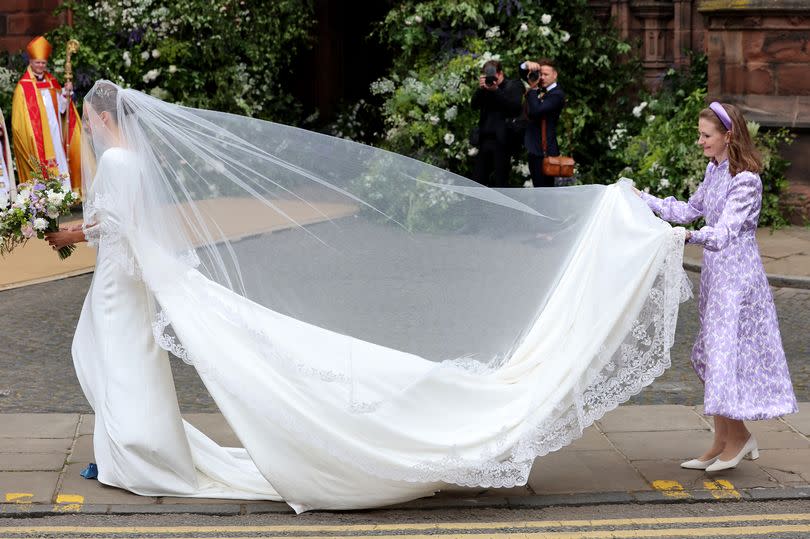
{"x": 363, "y": 349}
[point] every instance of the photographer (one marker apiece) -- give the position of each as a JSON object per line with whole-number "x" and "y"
{"x": 498, "y": 99}
{"x": 544, "y": 103}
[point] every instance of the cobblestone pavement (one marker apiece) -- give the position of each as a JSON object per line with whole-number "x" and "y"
{"x": 36, "y": 370}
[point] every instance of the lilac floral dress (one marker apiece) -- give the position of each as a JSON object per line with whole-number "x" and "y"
{"x": 738, "y": 352}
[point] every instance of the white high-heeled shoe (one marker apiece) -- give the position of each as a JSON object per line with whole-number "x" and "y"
{"x": 697, "y": 464}
{"x": 749, "y": 450}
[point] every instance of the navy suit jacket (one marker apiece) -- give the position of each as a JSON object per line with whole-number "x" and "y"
{"x": 549, "y": 107}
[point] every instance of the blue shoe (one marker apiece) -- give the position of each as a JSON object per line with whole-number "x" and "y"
{"x": 91, "y": 472}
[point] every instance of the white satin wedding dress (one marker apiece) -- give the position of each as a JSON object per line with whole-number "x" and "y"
{"x": 401, "y": 426}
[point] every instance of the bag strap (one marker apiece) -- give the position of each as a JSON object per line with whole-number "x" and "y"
{"x": 543, "y": 134}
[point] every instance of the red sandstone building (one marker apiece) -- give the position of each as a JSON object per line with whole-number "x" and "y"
{"x": 759, "y": 51}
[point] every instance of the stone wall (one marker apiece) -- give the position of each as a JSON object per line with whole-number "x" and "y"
{"x": 664, "y": 31}
{"x": 21, "y": 20}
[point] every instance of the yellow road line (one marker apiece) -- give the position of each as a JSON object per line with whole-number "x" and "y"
{"x": 721, "y": 489}
{"x": 670, "y": 489}
{"x": 604, "y": 534}
{"x": 68, "y": 503}
{"x": 439, "y": 526}
{"x": 19, "y": 497}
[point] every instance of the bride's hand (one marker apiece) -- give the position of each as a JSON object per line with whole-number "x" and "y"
{"x": 63, "y": 238}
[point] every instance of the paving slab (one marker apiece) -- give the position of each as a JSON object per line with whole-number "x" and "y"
{"x": 82, "y": 451}
{"x": 215, "y": 427}
{"x": 34, "y": 445}
{"x": 781, "y": 440}
{"x": 592, "y": 440}
{"x": 23, "y": 462}
{"x": 15, "y": 487}
{"x": 662, "y": 417}
{"x": 566, "y": 472}
{"x": 38, "y": 425}
{"x": 792, "y": 461}
{"x": 96, "y": 493}
{"x": 87, "y": 424}
{"x": 673, "y": 445}
{"x": 746, "y": 475}
{"x": 801, "y": 420}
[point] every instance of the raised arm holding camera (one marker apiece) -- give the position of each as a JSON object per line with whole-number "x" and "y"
{"x": 498, "y": 99}
{"x": 545, "y": 100}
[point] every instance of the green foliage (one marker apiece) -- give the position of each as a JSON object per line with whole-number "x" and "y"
{"x": 441, "y": 45}
{"x": 228, "y": 55}
{"x": 657, "y": 143}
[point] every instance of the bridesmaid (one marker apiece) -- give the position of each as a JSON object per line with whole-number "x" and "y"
{"x": 738, "y": 351}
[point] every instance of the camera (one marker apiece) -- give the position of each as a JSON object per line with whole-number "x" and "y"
{"x": 533, "y": 76}
{"x": 490, "y": 75}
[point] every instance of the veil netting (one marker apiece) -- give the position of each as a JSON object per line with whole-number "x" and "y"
{"x": 347, "y": 305}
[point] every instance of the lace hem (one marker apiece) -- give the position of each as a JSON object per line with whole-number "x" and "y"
{"x": 506, "y": 462}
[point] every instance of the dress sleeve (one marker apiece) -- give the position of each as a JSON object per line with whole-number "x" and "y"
{"x": 744, "y": 195}
{"x": 677, "y": 211}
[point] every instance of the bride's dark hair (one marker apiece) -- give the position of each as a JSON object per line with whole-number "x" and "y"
{"x": 103, "y": 97}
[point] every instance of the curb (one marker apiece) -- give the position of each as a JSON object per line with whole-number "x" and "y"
{"x": 27, "y": 510}
{"x": 774, "y": 279}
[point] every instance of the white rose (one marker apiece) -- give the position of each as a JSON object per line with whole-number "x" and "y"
{"x": 546, "y": 18}
{"x": 433, "y": 120}
{"x": 472, "y": 152}
{"x": 451, "y": 113}
{"x": 172, "y": 68}
{"x": 40, "y": 223}
{"x": 545, "y": 31}
{"x": 650, "y": 118}
{"x": 495, "y": 31}
{"x": 155, "y": 53}
{"x": 417, "y": 19}
{"x": 145, "y": 55}
{"x": 524, "y": 27}
{"x": 449, "y": 138}
{"x": 664, "y": 182}
{"x": 565, "y": 36}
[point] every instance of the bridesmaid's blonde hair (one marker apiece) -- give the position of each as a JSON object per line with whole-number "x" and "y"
{"x": 742, "y": 154}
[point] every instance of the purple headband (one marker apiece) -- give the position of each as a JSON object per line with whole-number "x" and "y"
{"x": 721, "y": 113}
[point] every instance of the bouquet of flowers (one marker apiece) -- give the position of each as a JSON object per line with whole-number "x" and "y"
{"x": 35, "y": 210}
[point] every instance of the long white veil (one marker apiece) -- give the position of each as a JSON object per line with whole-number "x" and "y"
{"x": 402, "y": 296}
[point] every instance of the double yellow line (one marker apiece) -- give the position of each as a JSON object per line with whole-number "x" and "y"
{"x": 719, "y": 526}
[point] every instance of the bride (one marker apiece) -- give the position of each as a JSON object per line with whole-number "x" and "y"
{"x": 371, "y": 327}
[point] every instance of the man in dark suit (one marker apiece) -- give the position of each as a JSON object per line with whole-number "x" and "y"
{"x": 544, "y": 100}
{"x": 498, "y": 99}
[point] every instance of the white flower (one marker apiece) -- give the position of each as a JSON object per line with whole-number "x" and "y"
{"x": 451, "y": 113}
{"x": 524, "y": 27}
{"x": 495, "y": 31}
{"x": 417, "y": 19}
{"x": 382, "y": 86}
{"x": 172, "y": 68}
{"x": 433, "y": 120}
{"x": 664, "y": 182}
{"x": 472, "y": 152}
{"x": 650, "y": 118}
{"x": 22, "y": 197}
{"x": 528, "y": 184}
{"x": 545, "y": 31}
{"x": 145, "y": 55}
{"x": 55, "y": 198}
{"x": 40, "y": 223}
{"x": 522, "y": 169}
{"x": 449, "y": 138}
{"x": 639, "y": 108}
{"x": 546, "y": 18}
{"x": 151, "y": 75}
{"x": 486, "y": 57}
{"x": 565, "y": 36}
{"x": 155, "y": 53}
